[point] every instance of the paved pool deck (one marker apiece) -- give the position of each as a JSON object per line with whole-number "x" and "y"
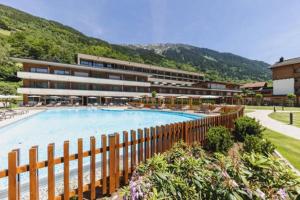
{"x": 266, "y": 121}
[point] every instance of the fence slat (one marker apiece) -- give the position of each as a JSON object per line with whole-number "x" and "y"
{"x": 125, "y": 156}
{"x": 33, "y": 177}
{"x": 117, "y": 164}
{"x": 80, "y": 168}
{"x": 153, "y": 141}
{"x": 12, "y": 173}
{"x": 93, "y": 167}
{"x": 104, "y": 164}
{"x": 66, "y": 171}
{"x": 133, "y": 150}
{"x": 18, "y": 175}
{"x": 112, "y": 159}
{"x": 140, "y": 145}
{"x": 51, "y": 172}
{"x": 147, "y": 143}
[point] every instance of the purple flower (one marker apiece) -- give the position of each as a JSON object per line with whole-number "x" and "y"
{"x": 260, "y": 194}
{"x": 282, "y": 193}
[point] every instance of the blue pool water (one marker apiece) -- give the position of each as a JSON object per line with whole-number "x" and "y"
{"x": 56, "y": 126}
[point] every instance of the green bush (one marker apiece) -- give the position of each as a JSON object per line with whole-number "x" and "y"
{"x": 244, "y": 126}
{"x": 218, "y": 139}
{"x": 212, "y": 176}
{"x": 258, "y": 145}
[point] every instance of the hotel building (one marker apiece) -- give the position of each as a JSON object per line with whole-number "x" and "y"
{"x": 100, "y": 78}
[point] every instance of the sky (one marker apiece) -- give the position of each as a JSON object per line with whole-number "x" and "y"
{"x": 257, "y": 29}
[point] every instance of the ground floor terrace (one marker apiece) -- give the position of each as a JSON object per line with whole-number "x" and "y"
{"x": 120, "y": 99}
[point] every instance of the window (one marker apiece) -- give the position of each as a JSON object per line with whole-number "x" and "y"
{"x": 98, "y": 65}
{"x": 86, "y": 62}
{"x": 39, "y": 84}
{"x": 61, "y": 72}
{"x": 59, "y": 85}
{"x": 82, "y": 74}
{"x": 115, "y": 77}
{"x": 39, "y": 70}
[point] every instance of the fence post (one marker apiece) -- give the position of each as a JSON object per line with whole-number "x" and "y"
{"x": 33, "y": 174}
{"x": 125, "y": 156}
{"x": 12, "y": 172}
{"x": 153, "y": 141}
{"x": 18, "y": 175}
{"x": 66, "y": 171}
{"x": 117, "y": 164}
{"x": 51, "y": 172}
{"x": 93, "y": 168}
{"x": 104, "y": 163}
{"x": 112, "y": 172}
{"x": 147, "y": 143}
{"x": 80, "y": 168}
{"x": 133, "y": 150}
{"x": 140, "y": 146}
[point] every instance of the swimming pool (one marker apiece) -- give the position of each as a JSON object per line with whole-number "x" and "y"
{"x": 58, "y": 125}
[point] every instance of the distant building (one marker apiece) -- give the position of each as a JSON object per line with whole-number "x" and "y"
{"x": 286, "y": 78}
{"x": 257, "y": 86}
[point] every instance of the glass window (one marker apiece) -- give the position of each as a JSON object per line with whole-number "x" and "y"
{"x": 83, "y": 74}
{"x": 115, "y": 77}
{"x": 61, "y": 72}
{"x": 86, "y": 62}
{"x": 98, "y": 65}
{"x": 39, "y": 70}
{"x": 59, "y": 85}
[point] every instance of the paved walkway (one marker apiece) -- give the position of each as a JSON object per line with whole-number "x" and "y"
{"x": 262, "y": 116}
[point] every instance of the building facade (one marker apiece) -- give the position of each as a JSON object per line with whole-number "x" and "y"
{"x": 286, "y": 78}
{"x": 99, "y": 77}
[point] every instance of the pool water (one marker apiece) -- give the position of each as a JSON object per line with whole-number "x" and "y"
{"x": 59, "y": 125}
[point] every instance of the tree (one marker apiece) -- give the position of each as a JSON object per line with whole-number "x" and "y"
{"x": 153, "y": 94}
{"x": 238, "y": 98}
{"x": 259, "y": 98}
{"x": 291, "y": 99}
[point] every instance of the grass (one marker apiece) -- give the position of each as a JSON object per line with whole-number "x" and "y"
{"x": 248, "y": 110}
{"x": 288, "y": 147}
{"x": 285, "y": 117}
{"x": 272, "y": 107}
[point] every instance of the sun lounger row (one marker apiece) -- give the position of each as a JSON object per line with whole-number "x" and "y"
{"x": 9, "y": 113}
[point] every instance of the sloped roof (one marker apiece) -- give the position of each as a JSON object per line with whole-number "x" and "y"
{"x": 286, "y": 62}
{"x": 254, "y": 85}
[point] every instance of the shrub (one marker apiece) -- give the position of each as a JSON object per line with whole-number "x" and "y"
{"x": 258, "y": 145}
{"x": 218, "y": 139}
{"x": 211, "y": 177}
{"x": 244, "y": 126}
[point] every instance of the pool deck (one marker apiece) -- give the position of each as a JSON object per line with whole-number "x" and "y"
{"x": 20, "y": 117}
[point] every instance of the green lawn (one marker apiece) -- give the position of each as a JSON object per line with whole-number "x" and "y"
{"x": 285, "y": 117}
{"x": 287, "y": 146}
{"x": 248, "y": 110}
{"x": 271, "y": 108}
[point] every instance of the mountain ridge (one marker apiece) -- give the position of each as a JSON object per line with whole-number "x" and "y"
{"x": 27, "y": 36}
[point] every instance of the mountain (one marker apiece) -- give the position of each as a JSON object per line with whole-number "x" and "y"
{"x": 216, "y": 65}
{"x": 28, "y": 36}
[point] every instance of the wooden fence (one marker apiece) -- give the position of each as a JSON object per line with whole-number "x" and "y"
{"x": 136, "y": 146}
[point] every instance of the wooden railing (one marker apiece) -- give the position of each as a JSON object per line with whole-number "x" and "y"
{"x": 116, "y": 168}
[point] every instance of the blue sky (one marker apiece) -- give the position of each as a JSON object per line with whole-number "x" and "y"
{"x": 257, "y": 29}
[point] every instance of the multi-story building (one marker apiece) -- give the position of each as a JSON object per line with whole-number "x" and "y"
{"x": 286, "y": 78}
{"x": 100, "y": 78}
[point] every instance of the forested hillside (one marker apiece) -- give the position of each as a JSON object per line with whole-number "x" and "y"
{"x": 27, "y": 36}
